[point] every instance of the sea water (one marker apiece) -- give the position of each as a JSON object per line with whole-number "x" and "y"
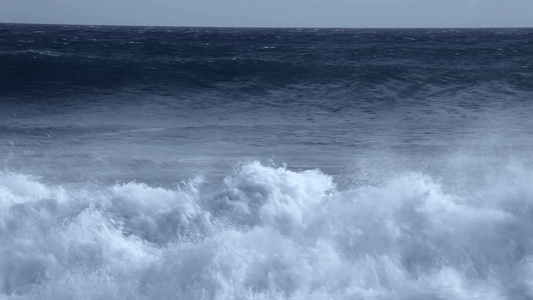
{"x": 209, "y": 163}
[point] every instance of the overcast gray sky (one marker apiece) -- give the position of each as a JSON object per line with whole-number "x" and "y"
{"x": 273, "y": 13}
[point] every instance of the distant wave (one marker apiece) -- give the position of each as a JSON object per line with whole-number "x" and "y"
{"x": 74, "y": 59}
{"x": 266, "y": 233}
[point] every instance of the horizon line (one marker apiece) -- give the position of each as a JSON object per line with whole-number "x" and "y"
{"x": 258, "y": 27}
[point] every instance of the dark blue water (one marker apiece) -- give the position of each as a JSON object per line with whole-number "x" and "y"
{"x": 208, "y": 163}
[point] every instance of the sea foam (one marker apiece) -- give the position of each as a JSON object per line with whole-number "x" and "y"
{"x": 267, "y": 233}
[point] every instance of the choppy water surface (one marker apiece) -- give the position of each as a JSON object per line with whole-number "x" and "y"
{"x": 200, "y": 163}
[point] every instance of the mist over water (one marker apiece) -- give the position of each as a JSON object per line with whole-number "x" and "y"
{"x": 187, "y": 163}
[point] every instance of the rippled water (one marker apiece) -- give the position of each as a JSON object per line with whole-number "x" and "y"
{"x": 203, "y": 163}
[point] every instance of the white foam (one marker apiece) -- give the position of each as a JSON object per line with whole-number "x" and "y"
{"x": 268, "y": 233}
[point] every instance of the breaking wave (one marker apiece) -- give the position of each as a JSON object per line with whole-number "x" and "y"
{"x": 267, "y": 233}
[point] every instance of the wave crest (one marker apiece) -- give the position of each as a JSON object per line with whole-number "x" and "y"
{"x": 267, "y": 233}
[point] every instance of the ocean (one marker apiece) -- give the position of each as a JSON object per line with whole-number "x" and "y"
{"x": 255, "y": 163}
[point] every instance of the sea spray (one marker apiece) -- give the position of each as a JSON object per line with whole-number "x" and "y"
{"x": 268, "y": 233}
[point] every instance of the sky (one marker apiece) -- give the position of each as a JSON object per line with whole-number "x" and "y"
{"x": 273, "y": 13}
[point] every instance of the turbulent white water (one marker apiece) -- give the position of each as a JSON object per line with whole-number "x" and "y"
{"x": 268, "y": 233}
